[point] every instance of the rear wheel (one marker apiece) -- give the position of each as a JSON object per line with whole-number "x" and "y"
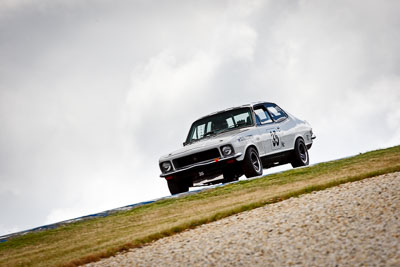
{"x": 300, "y": 154}
{"x": 252, "y": 164}
{"x": 176, "y": 186}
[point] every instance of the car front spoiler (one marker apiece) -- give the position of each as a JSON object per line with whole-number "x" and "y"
{"x": 200, "y": 164}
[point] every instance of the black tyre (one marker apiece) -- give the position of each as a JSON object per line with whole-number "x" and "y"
{"x": 252, "y": 164}
{"x": 176, "y": 186}
{"x": 300, "y": 154}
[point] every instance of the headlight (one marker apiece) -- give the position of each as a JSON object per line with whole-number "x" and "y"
{"x": 227, "y": 150}
{"x": 166, "y": 166}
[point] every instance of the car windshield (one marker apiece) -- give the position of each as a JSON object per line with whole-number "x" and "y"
{"x": 220, "y": 122}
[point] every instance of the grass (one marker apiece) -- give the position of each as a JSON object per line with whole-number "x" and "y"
{"x": 91, "y": 240}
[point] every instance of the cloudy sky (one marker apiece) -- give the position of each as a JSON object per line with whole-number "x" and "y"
{"x": 92, "y": 92}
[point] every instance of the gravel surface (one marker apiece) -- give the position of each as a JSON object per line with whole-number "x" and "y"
{"x": 354, "y": 224}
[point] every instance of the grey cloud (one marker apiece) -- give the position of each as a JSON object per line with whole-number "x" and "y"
{"x": 93, "y": 92}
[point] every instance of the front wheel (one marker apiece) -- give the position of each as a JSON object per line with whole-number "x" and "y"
{"x": 176, "y": 186}
{"x": 300, "y": 154}
{"x": 252, "y": 164}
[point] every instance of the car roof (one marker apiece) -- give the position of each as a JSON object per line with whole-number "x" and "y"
{"x": 252, "y": 104}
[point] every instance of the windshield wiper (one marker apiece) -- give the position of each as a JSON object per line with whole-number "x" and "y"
{"x": 208, "y": 133}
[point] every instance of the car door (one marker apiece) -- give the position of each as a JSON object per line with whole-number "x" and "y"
{"x": 282, "y": 127}
{"x": 268, "y": 132}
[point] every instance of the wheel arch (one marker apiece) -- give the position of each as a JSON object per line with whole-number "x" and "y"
{"x": 241, "y": 158}
{"x": 296, "y": 138}
{"x": 252, "y": 145}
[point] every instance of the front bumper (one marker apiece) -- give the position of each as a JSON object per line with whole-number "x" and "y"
{"x": 203, "y": 164}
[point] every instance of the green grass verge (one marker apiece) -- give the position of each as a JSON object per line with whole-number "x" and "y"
{"x": 91, "y": 240}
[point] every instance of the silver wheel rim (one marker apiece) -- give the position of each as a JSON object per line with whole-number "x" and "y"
{"x": 303, "y": 153}
{"x": 255, "y": 161}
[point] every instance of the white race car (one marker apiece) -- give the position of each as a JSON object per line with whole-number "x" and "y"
{"x": 237, "y": 141}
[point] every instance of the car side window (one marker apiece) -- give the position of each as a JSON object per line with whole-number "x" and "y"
{"x": 262, "y": 116}
{"x": 276, "y": 112}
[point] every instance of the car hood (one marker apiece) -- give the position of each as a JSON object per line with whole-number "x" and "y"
{"x": 211, "y": 141}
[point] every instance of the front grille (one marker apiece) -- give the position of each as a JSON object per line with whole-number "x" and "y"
{"x": 195, "y": 158}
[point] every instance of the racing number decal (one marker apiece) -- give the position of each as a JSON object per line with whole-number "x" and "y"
{"x": 275, "y": 139}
